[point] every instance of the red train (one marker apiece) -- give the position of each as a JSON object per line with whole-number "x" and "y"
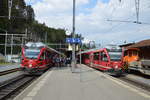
{"x": 109, "y": 59}
{"x": 37, "y": 57}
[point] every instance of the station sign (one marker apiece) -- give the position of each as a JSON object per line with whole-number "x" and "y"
{"x": 73, "y": 40}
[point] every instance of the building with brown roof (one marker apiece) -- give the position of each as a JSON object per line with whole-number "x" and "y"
{"x": 144, "y": 43}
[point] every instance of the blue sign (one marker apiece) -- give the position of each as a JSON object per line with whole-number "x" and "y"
{"x": 73, "y": 40}
{"x": 68, "y": 40}
{"x": 78, "y": 40}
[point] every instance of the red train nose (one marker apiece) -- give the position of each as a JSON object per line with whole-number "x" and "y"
{"x": 32, "y": 63}
{"x": 116, "y": 65}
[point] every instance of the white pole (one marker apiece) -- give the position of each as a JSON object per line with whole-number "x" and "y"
{"x": 73, "y": 36}
{"x": 11, "y": 47}
{"x": 5, "y": 44}
{"x": 26, "y": 32}
{"x": 9, "y": 8}
{"x": 80, "y": 56}
{"x": 22, "y": 41}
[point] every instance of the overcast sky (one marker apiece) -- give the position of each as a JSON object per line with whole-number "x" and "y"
{"x": 92, "y": 16}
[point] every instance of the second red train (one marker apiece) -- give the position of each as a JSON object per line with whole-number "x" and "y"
{"x": 109, "y": 59}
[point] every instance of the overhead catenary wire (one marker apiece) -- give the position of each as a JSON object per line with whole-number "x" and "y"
{"x": 129, "y": 21}
{"x": 118, "y": 25}
{"x": 137, "y": 9}
{"x": 114, "y": 8}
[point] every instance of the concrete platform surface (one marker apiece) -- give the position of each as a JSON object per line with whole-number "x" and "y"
{"x": 90, "y": 84}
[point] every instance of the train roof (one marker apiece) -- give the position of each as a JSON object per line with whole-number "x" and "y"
{"x": 109, "y": 46}
{"x": 40, "y": 45}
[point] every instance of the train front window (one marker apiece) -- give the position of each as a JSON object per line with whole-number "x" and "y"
{"x": 32, "y": 54}
{"x": 115, "y": 56}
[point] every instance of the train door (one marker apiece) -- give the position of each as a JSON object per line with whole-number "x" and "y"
{"x": 96, "y": 59}
{"x": 42, "y": 59}
{"x": 91, "y": 59}
{"x": 103, "y": 60}
{"x": 48, "y": 58}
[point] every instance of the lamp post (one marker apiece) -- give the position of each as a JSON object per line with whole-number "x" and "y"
{"x": 9, "y": 8}
{"x": 90, "y": 44}
{"x": 73, "y": 36}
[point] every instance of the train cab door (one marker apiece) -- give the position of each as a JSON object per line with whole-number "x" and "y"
{"x": 103, "y": 60}
{"x": 47, "y": 58}
{"x": 91, "y": 59}
{"x": 43, "y": 59}
{"x": 96, "y": 59}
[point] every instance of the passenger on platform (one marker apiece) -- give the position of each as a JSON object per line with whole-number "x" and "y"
{"x": 68, "y": 62}
{"x": 54, "y": 61}
{"x": 58, "y": 62}
{"x": 64, "y": 61}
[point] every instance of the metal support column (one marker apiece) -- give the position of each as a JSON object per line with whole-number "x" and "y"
{"x": 9, "y": 8}
{"x": 12, "y": 37}
{"x": 6, "y": 44}
{"x": 73, "y": 36}
{"x": 137, "y": 6}
{"x": 22, "y": 41}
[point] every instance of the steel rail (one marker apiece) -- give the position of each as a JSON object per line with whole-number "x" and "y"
{"x": 136, "y": 83}
{"x": 9, "y": 71}
{"x": 10, "y": 89}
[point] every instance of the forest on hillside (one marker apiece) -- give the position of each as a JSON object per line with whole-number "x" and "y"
{"x": 23, "y": 21}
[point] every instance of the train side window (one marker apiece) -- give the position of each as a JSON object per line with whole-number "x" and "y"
{"x": 87, "y": 56}
{"x": 104, "y": 57}
{"x": 96, "y": 56}
{"x": 101, "y": 56}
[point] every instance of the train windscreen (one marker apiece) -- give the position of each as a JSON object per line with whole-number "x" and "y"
{"x": 115, "y": 53}
{"x": 115, "y": 56}
{"x": 32, "y": 54}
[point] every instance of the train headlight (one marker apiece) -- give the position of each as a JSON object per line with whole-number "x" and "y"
{"x": 30, "y": 65}
{"x": 116, "y": 66}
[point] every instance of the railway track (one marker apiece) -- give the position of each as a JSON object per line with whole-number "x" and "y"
{"x": 11, "y": 88}
{"x": 9, "y": 71}
{"x": 136, "y": 83}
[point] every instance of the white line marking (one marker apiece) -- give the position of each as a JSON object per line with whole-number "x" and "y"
{"x": 36, "y": 88}
{"x": 125, "y": 86}
{"x": 27, "y": 98}
{"x": 32, "y": 93}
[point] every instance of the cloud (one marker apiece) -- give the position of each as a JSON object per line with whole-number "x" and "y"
{"x": 29, "y": 2}
{"x": 92, "y": 22}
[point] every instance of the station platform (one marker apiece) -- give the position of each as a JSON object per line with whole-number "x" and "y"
{"x": 85, "y": 84}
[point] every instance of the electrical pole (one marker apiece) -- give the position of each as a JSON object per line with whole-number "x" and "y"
{"x": 46, "y": 38}
{"x": 137, "y": 6}
{"x": 12, "y": 37}
{"x": 9, "y": 8}
{"x": 6, "y": 44}
{"x": 73, "y": 36}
